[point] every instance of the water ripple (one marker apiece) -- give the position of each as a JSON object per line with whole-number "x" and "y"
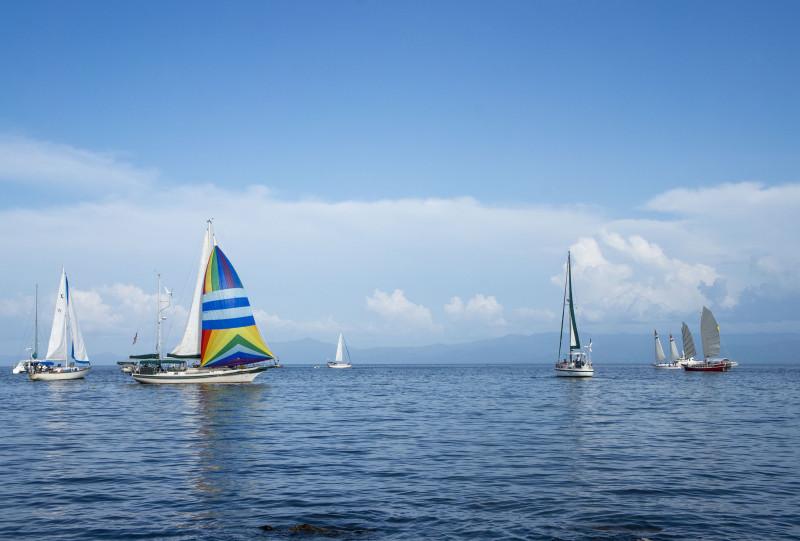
{"x": 385, "y": 452}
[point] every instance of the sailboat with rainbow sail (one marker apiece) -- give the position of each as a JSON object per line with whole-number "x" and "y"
{"x": 221, "y": 331}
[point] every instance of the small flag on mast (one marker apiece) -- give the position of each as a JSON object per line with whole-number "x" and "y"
{"x": 135, "y": 337}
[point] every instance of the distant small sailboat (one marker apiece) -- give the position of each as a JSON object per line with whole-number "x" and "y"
{"x": 61, "y": 362}
{"x": 221, "y": 331}
{"x": 22, "y": 365}
{"x": 577, "y": 363}
{"x": 661, "y": 359}
{"x": 709, "y": 333}
{"x": 340, "y": 349}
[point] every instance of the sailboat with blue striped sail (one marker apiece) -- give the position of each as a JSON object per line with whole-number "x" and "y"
{"x": 64, "y": 360}
{"x": 221, "y": 332}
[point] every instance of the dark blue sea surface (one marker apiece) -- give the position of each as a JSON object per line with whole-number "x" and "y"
{"x": 405, "y": 452}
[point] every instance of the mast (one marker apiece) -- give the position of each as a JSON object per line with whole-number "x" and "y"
{"x": 563, "y": 311}
{"x": 66, "y": 315}
{"x": 35, "y": 354}
{"x": 161, "y": 308}
{"x": 190, "y": 344}
{"x": 158, "y": 315}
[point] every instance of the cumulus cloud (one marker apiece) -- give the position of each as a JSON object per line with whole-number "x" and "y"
{"x": 479, "y": 307}
{"x": 634, "y": 278}
{"x": 273, "y": 327}
{"x": 398, "y": 310}
{"x": 316, "y": 260}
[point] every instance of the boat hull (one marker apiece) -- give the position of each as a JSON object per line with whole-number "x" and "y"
{"x": 20, "y": 368}
{"x": 338, "y": 365}
{"x": 713, "y": 367}
{"x": 202, "y": 375}
{"x": 59, "y": 376}
{"x": 667, "y": 366}
{"x": 574, "y": 372}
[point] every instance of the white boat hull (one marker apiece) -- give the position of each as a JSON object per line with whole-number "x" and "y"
{"x": 203, "y": 375}
{"x": 668, "y": 366}
{"x": 21, "y": 367}
{"x": 338, "y": 365}
{"x": 59, "y": 376}
{"x": 574, "y": 371}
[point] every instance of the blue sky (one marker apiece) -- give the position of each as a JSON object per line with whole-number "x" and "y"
{"x": 408, "y": 172}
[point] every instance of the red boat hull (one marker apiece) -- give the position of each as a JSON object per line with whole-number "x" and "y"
{"x": 715, "y": 367}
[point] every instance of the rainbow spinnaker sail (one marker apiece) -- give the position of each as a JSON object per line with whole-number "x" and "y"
{"x": 230, "y": 336}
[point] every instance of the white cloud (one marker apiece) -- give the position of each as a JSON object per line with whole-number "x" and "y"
{"x": 399, "y": 311}
{"x": 49, "y": 164}
{"x": 738, "y": 201}
{"x": 275, "y": 328}
{"x": 307, "y": 264}
{"x": 634, "y": 279}
{"x": 479, "y": 307}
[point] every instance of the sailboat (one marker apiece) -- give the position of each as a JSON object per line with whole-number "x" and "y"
{"x": 220, "y": 333}
{"x": 154, "y": 359}
{"x": 340, "y": 349}
{"x": 62, "y": 362}
{"x": 661, "y": 359}
{"x": 578, "y": 362}
{"x": 709, "y": 333}
{"x": 22, "y": 365}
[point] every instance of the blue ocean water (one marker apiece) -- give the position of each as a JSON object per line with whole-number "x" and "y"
{"x": 405, "y": 452}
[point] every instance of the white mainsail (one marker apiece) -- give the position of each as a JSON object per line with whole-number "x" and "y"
{"x": 660, "y": 357}
{"x": 57, "y": 347}
{"x": 339, "y": 352}
{"x": 709, "y": 331}
{"x": 189, "y": 345}
{"x": 688, "y": 342}
{"x": 673, "y": 350}
{"x": 65, "y": 321}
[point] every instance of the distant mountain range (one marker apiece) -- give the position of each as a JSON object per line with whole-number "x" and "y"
{"x": 514, "y": 349}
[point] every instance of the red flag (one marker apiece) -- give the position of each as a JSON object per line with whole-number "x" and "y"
{"x": 135, "y": 337}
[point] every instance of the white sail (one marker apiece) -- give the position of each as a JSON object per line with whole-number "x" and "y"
{"x": 65, "y": 321}
{"x": 189, "y": 345}
{"x": 573, "y": 329}
{"x": 339, "y": 352}
{"x": 57, "y": 347}
{"x": 673, "y": 350}
{"x": 709, "y": 331}
{"x": 660, "y": 357}
{"x": 688, "y": 342}
{"x": 78, "y": 346}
